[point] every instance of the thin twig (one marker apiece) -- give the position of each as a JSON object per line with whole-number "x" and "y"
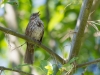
{"x": 4, "y": 68}
{"x": 19, "y": 46}
{"x": 7, "y": 38}
{"x": 88, "y": 63}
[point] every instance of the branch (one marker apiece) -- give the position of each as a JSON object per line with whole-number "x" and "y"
{"x": 80, "y": 28}
{"x": 3, "y": 68}
{"x": 61, "y": 60}
{"x": 82, "y": 65}
{"x": 88, "y": 63}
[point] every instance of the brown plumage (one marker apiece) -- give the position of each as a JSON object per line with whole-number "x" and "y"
{"x": 35, "y": 30}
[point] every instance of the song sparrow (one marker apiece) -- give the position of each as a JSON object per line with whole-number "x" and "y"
{"x": 35, "y": 30}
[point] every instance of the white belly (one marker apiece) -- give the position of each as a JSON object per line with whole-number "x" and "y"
{"x": 37, "y": 33}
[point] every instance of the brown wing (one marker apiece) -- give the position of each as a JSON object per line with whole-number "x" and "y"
{"x": 42, "y": 36}
{"x": 28, "y": 31}
{"x": 40, "y": 24}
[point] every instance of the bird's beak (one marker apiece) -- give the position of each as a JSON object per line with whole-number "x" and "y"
{"x": 38, "y": 13}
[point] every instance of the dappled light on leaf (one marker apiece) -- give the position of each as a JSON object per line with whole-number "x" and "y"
{"x": 57, "y": 17}
{"x": 50, "y": 69}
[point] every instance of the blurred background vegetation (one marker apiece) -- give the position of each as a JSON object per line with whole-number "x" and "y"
{"x": 59, "y": 17}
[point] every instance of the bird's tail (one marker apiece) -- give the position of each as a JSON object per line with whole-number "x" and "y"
{"x": 29, "y": 54}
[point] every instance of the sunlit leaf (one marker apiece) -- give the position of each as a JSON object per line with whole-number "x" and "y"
{"x": 46, "y": 67}
{"x": 50, "y": 69}
{"x": 57, "y": 17}
{"x": 43, "y": 64}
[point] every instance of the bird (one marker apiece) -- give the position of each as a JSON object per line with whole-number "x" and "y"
{"x": 34, "y": 30}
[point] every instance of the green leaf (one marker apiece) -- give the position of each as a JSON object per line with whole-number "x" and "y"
{"x": 59, "y": 73}
{"x": 50, "y": 69}
{"x": 73, "y": 59}
{"x": 43, "y": 64}
{"x": 67, "y": 67}
{"x": 46, "y": 67}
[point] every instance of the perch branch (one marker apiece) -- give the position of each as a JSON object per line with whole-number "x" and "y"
{"x": 6, "y": 30}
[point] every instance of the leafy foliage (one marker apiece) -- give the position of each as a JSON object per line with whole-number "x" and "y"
{"x": 59, "y": 17}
